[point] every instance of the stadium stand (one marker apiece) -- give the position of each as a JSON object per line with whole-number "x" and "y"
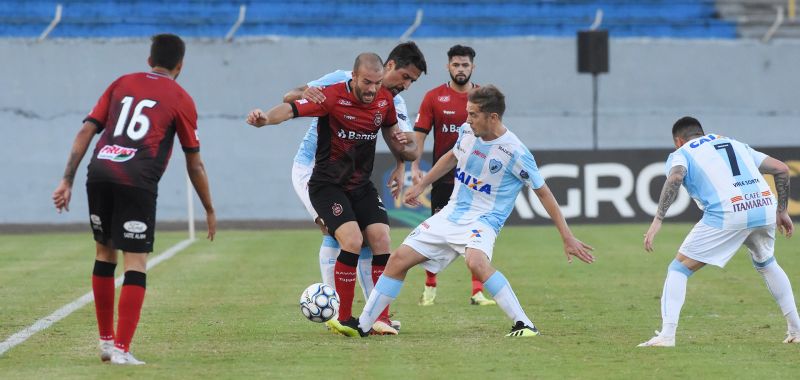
{"x": 754, "y": 17}
{"x": 378, "y": 18}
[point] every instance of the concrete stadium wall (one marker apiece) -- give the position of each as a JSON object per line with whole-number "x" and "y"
{"x": 738, "y": 88}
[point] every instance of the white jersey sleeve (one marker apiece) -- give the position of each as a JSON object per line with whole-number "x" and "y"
{"x": 308, "y": 147}
{"x": 526, "y": 170}
{"x": 402, "y": 114}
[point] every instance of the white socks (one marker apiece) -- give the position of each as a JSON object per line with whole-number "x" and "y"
{"x": 673, "y": 296}
{"x": 781, "y": 289}
{"x": 501, "y": 291}
{"x": 365, "y": 271}
{"x": 386, "y": 290}
{"x": 328, "y": 252}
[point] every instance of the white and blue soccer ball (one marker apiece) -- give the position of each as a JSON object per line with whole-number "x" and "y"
{"x": 319, "y": 303}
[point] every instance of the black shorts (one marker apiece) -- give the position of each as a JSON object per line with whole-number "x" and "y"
{"x": 335, "y": 206}
{"x": 122, "y": 217}
{"x": 440, "y": 195}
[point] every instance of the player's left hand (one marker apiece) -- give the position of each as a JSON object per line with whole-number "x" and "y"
{"x": 579, "y": 249}
{"x": 397, "y": 180}
{"x": 211, "y": 221}
{"x": 785, "y": 225}
{"x": 62, "y": 196}
{"x": 412, "y": 195}
{"x": 257, "y": 118}
{"x": 650, "y": 236}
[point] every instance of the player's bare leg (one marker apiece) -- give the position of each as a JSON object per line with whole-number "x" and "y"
{"x": 498, "y": 286}
{"x": 130, "y": 306}
{"x": 672, "y": 299}
{"x": 103, "y": 289}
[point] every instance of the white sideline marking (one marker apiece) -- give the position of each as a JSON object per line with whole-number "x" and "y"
{"x": 67, "y": 309}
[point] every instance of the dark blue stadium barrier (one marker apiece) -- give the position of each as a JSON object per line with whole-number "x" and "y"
{"x": 379, "y": 18}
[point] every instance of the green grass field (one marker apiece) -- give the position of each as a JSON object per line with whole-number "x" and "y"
{"x": 228, "y": 309}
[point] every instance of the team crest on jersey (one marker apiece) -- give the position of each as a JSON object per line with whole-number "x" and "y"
{"x": 116, "y": 153}
{"x": 495, "y": 166}
{"x": 378, "y": 119}
{"x": 382, "y": 103}
{"x": 345, "y": 102}
{"x": 336, "y": 209}
{"x": 472, "y": 182}
{"x": 444, "y": 99}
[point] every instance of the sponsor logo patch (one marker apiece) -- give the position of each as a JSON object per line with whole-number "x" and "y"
{"x": 382, "y": 103}
{"x": 349, "y": 117}
{"x": 345, "y": 102}
{"x": 336, "y": 209}
{"x": 116, "y": 153}
{"x": 476, "y": 233}
{"x": 472, "y": 182}
{"x": 447, "y": 112}
{"x": 524, "y": 174}
{"x": 352, "y": 135}
{"x": 135, "y": 226}
{"x": 444, "y": 99}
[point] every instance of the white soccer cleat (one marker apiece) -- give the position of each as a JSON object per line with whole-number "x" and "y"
{"x": 123, "y": 358}
{"x": 105, "y": 347}
{"x": 383, "y": 326}
{"x": 659, "y": 341}
{"x": 792, "y": 337}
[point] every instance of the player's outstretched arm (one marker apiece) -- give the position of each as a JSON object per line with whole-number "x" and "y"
{"x": 668, "y": 195}
{"x": 780, "y": 173}
{"x": 276, "y": 115}
{"x": 197, "y": 174}
{"x": 400, "y": 144}
{"x": 63, "y": 193}
{"x": 572, "y": 246}
{"x": 397, "y": 178}
{"x": 312, "y": 94}
{"x": 442, "y": 167}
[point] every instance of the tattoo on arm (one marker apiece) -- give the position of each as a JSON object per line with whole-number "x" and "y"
{"x": 72, "y": 166}
{"x": 670, "y": 190}
{"x": 782, "y": 187}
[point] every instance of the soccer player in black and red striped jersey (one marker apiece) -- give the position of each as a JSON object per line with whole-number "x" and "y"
{"x": 137, "y": 118}
{"x": 340, "y": 189}
{"x": 442, "y": 111}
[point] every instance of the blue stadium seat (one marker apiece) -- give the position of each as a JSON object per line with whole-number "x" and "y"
{"x": 362, "y": 18}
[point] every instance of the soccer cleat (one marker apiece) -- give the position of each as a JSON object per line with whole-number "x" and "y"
{"x": 659, "y": 341}
{"x": 349, "y": 328}
{"x": 792, "y": 337}
{"x": 521, "y": 330}
{"x": 123, "y": 358}
{"x": 383, "y": 326}
{"x": 428, "y": 295}
{"x": 480, "y": 300}
{"x": 105, "y": 346}
{"x": 395, "y": 325}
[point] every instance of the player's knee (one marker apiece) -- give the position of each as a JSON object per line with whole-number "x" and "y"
{"x": 477, "y": 264}
{"x": 350, "y": 242}
{"x": 380, "y": 243}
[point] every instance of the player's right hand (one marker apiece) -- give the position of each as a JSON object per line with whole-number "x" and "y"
{"x": 314, "y": 94}
{"x": 211, "y": 221}
{"x": 257, "y": 118}
{"x": 650, "y": 235}
{"x": 62, "y": 196}
{"x": 412, "y": 195}
{"x": 785, "y": 225}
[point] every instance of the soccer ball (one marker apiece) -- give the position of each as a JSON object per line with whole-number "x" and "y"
{"x": 319, "y": 303}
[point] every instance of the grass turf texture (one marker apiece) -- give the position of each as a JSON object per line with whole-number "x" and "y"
{"x": 229, "y": 309}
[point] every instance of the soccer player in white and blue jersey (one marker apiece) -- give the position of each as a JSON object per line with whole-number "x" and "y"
{"x": 404, "y": 65}
{"x": 491, "y": 167}
{"x": 724, "y": 176}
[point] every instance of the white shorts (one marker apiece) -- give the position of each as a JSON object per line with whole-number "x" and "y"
{"x": 300, "y": 176}
{"x": 442, "y": 241}
{"x": 716, "y": 247}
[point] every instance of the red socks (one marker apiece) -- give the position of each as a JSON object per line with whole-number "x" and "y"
{"x": 430, "y": 279}
{"x": 477, "y": 285}
{"x": 103, "y": 289}
{"x": 130, "y": 307}
{"x": 344, "y": 274}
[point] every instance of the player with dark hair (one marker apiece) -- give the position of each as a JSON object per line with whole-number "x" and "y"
{"x": 340, "y": 189}
{"x": 492, "y": 166}
{"x": 404, "y": 66}
{"x": 137, "y": 118}
{"x": 725, "y": 177}
{"x": 442, "y": 111}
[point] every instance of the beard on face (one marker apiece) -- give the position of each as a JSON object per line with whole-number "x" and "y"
{"x": 363, "y": 95}
{"x": 460, "y": 79}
